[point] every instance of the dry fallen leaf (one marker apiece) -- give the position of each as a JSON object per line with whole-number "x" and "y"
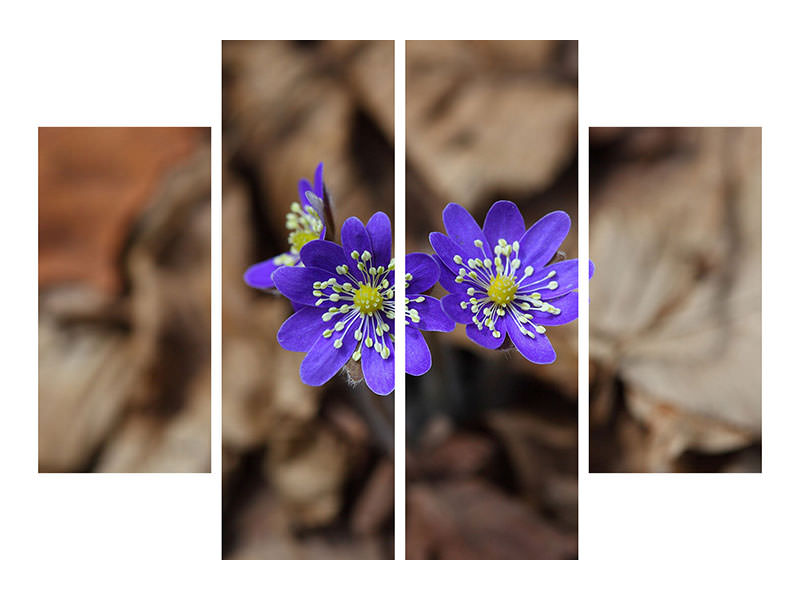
{"x": 124, "y": 344}
{"x": 473, "y": 133}
{"x": 469, "y": 520}
{"x": 676, "y": 300}
{"x": 93, "y": 183}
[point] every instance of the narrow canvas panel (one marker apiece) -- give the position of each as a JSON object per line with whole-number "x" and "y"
{"x": 124, "y": 299}
{"x": 308, "y": 312}
{"x": 492, "y": 197}
{"x": 675, "y": 327}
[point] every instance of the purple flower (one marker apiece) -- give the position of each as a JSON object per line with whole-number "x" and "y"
{"x": 305, "y": 223}
{"x": 345, "y": 297}
{"x": 499, "y": 279}
{"x": 422, "y": 312}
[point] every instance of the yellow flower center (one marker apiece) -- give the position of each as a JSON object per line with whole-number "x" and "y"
{"x": 368, "y": 299}
{"x": 298, "y": 239}
{"x": 502, "y": 289}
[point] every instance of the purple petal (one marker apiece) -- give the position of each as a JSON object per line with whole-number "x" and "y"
{"x": 542, "y": 240}
{"x": 447, "y": 279}
{"x": 319, "y": 186}
{"x": 424, "y": 272}
{"x": 446, "y": 249}
{"x": 379, "y": 229}
{"x": 503, "y": 221}
{"x": 567, "y": 304}
{"x": 390, "y": 322}
{"x": 451, "y": 305}
{"x": 418, "y": 356}
{"x": 259, "y": 275}
{"x": 390, "y": 277}
{"x": 324, "y": 360}
{"x": 484, "y": 337}
{"x": 322, "y": 254}
{"x": 431, "y": 315}
{"x": 378, "y": 371}
{"x": 463, "y": 230}
{"x": 299, "y": 332}
{"x": 355, "y": 237}
{"x": 297, "y": 283}
{"x": 566, "y": 277}
{"x": 303, "y": 186}
{"x": 536, "y": 349}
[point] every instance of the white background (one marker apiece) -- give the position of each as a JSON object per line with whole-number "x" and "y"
{"x": 158, "y": 63}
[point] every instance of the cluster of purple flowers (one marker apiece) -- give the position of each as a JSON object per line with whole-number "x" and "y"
{"x": 500, "y": 280}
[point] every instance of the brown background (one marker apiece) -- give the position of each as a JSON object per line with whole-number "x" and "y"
{"x": 124, "y": 299}
{"x": 675, "y": 329}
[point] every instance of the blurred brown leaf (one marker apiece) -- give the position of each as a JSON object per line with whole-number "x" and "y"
{"x": 375, "y": 505}
{"x": 474, "y": 129}
{"x": 460, "y": 455}
{"x": 265, "y": 533}
{"x": 472, "y": 520}
{"x": 124, "y": 380}
{"x": 676, "y": 301}
{"x": 93, "y": 182}
{"x": 308, "y": 473}
{"x": 85, "y": 379}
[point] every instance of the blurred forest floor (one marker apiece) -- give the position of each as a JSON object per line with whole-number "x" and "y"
{"x": 307, "y": 471}
{"x": 492, "y": 438}
{"x": 124, "y": 299}
{"x": 675, "y": 329}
